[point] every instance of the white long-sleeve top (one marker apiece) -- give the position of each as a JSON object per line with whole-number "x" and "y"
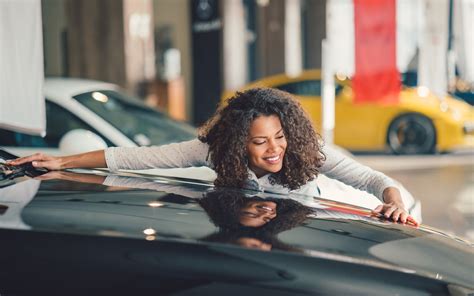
{"x": 194, "y": 153}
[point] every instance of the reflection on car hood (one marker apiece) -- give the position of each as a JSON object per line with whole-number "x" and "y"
{"x": 164, "y": 209}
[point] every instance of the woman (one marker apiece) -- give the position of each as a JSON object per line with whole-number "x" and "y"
{"x": 261, "y": 140}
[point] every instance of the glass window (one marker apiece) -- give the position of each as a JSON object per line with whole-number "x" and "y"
{"x": 59, "y": 121}
{"x": 303, "y": 88}
{"x": 306, "y": 88}
{"x": 143, "y": 125}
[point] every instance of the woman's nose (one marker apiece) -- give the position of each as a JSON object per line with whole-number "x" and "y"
{"x": 272, "y": 144}
{"x": 266, "y": 213}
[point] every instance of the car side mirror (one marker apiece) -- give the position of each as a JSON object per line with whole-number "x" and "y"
{"x": 80, "y": 141}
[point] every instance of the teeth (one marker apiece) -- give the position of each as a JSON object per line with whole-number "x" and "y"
{"x": 268, "y": 209}
{"x": 273, "y": 158}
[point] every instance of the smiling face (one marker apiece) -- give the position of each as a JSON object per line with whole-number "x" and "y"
{"x": 257, "y": 213}
{"x": 266, "y": 145}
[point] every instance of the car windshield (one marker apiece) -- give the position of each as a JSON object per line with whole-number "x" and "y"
{"x": 138, "y": 122}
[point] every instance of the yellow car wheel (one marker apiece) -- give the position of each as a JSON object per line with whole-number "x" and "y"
{"x": 411, "y": 134}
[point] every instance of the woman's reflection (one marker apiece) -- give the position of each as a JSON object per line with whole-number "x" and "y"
{"x": 251, "y": 221}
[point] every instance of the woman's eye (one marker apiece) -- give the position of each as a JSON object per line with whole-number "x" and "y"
{"x": 259, "y": 143}
{"x": 280, "y": 137}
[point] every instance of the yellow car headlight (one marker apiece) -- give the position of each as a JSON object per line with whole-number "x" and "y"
{"x": 468, "y": 127}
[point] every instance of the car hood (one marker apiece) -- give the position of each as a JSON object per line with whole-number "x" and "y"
{"x": 458, "y": 105}
{"x": 132, "y": 206}
{"x": 457, "y": 109}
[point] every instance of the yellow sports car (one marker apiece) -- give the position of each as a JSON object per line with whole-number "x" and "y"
{"x": 419, "y": 123}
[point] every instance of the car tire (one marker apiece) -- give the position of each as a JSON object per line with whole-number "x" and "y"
{"x": 411, "y": 134}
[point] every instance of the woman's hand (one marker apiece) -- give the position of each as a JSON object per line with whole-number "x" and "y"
{"x": 393, "y": 207}
{"x": 39, "y": 160}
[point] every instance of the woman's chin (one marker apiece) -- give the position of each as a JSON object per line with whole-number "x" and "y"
{"x": 274, "y": 169}
{"x": 267, "y": 169}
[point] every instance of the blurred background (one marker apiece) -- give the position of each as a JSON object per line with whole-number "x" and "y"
{"x": 391, "y": 81}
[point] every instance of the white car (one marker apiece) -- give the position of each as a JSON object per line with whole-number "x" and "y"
{"x": 84, "y": 115}
{"x": 100, "y": 108}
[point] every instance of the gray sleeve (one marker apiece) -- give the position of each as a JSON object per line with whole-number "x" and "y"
{"x": 176, "y": 155}
{"x": 343, "y": 168}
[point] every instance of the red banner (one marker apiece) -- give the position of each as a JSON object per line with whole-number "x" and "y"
{"x": 376, "y": 76}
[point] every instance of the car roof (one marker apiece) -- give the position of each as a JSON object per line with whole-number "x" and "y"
{"x": 58, "y": 87}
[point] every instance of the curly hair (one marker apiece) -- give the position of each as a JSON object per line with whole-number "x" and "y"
{"x": 227, "y": 134}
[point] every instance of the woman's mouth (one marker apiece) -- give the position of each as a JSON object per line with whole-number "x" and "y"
{"x": 266, "y": 208}
{"x": 273, "y": 159}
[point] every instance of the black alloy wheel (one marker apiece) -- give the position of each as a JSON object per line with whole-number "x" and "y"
{"x": 411, "y": 134}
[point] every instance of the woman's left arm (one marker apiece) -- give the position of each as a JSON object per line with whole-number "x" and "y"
{"x": 347, "y": 170}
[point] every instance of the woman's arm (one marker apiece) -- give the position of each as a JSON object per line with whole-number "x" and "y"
{"x": 176, "y": 155}
{"x": 347, "y": 170}
{"x": 94, "y": 159}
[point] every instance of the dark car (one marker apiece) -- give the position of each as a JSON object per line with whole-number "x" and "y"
{"x": 91, "y": 232}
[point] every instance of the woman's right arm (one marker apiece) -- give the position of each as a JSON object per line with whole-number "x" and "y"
{"x": 176, "y": 155}
{"x": 94, "y": 159}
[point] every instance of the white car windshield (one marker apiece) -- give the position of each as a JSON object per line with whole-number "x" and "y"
{"x": 143, "y": 125}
